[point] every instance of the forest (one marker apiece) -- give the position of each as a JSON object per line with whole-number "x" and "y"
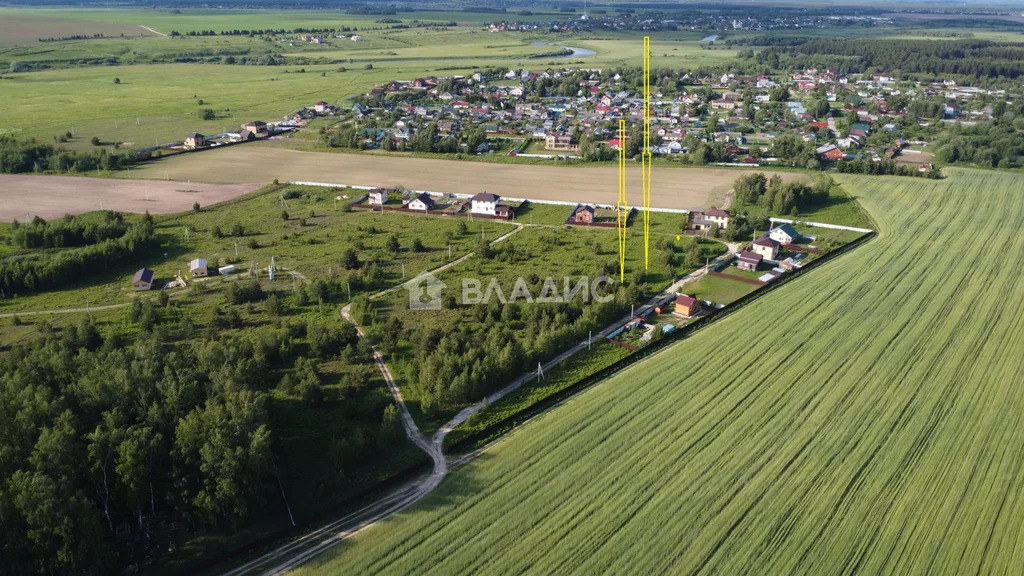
{"x": 99, "y": 437}
{"x": 118, "y": 442}
{"x": 973, "y": 58}
{"x": 996, "y": 144}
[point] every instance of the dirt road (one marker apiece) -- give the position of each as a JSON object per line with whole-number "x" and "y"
{"x": 23, "y": 196}
{"x": 262, "y": 163}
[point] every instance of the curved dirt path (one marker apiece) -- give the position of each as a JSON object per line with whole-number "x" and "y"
{"x": 302, "y": 549}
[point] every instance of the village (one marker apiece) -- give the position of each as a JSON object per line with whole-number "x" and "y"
{"x": 810, "y": 119}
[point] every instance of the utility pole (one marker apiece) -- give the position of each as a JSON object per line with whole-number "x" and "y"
{"x": 590, "y": 339}
{"x": 540, "y": 372}
{"x": 348, "y": 285}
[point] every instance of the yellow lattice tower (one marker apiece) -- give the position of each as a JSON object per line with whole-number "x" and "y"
{"x": 621, "y": 208}
{"x": 645, "y": 155}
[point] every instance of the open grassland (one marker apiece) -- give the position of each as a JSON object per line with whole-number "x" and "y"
{"x": 673, "y": 187}
{"x": 157, "y": 101}
{"x": 48, "y": 22}
{"x": 865, "y": 419}
{"x": 311, "y": 242}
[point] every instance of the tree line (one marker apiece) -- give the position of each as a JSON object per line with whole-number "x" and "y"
{"x": 27, "y": 155}
{"x": 69, "y": 231}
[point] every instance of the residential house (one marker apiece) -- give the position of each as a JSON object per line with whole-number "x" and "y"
{"x": 561, "y": 141}
{"x": 583, "y": 214}
{"x": 257, "y": 127}
{"x": 246, "y": 136}
{"x": 378, "y": 196}
{"x": 484, "y": 203}
{"x": 423, "y": 202}
{"x": 830, "y": 152}
{"x": 687, "y": 306}
{"x": 195, "y": 140}
{"x": 720, "y": 217}
{"x": 504, "y": 211}
{"x": 784, "y": 234}
{"x": 748, "y": 260}
{"x": 323, "y": 108}
{"x": 199, "y": 268}
{"x": 143, "y": 280}
{"x": 728, "y": 101}
{"x": 766, "y": 248}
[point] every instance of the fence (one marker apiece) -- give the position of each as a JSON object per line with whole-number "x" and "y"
{"x": 753, "y": 281}
{"x": 822, "y": 225}
{"x": 505, "y": 424}
{"x": 468, "y": 196}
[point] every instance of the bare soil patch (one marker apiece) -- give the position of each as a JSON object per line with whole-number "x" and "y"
{"x": 24, "y": 196}
{"x": 673, "y": 187}
{"x": 18, "y": 29}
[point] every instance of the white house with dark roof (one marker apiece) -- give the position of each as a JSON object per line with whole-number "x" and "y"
{"x": 484, "y": 203}
{"x": 784, "y": 234}
{"x": 422, "y": 202}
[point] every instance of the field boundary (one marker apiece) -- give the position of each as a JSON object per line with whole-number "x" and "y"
{"x": 718, "y": 274}
{"x": 477, "y": 440}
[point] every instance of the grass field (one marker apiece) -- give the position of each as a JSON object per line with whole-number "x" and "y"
{"x": 157, "y": 101}
{"x": 311, "y": 242}
{"x": 865, "y": 419}
{"x": 720, "y": 290}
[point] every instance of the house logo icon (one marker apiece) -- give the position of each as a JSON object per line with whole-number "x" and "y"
{"x": 425, "y": 292}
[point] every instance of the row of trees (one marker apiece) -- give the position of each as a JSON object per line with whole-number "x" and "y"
{"x": 68, "y": 231}
{"x": 27, "y": 155}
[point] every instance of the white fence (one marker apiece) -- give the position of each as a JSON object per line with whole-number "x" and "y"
{"x": 821, "y": 225}
{"x": 468, "y": 196}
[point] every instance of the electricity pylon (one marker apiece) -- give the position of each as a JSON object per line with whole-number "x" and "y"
{"x": 645, "y": 155}
{"x": 621, "y": 208}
